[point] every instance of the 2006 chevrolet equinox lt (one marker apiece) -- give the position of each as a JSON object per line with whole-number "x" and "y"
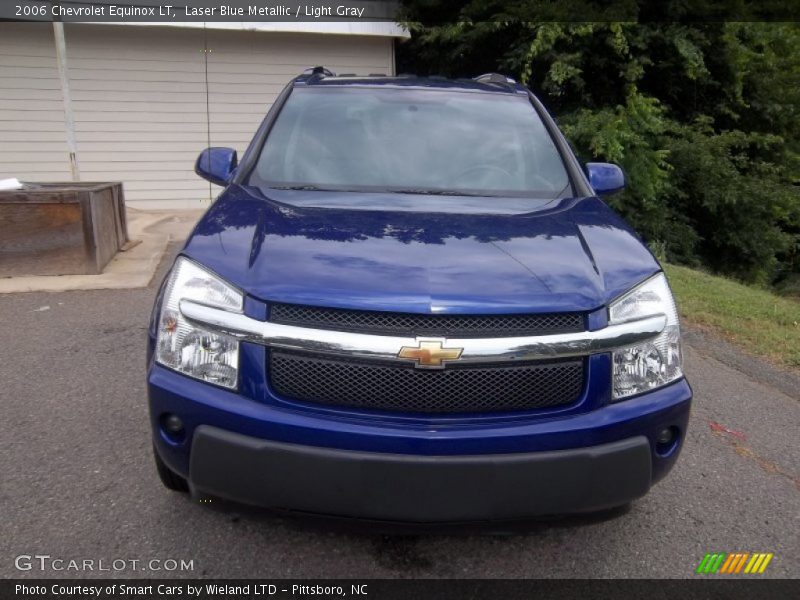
{"x": 409, "y": 303}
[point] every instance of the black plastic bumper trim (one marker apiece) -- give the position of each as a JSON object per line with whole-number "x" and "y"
{"x": 418, "y": 488}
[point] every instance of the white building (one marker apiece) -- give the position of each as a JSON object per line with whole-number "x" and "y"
{"x": 139, "y": 101}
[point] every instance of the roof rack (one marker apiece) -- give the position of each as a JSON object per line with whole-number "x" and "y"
{"x": 317, "y": 73}
{"x": 494, "y": 79}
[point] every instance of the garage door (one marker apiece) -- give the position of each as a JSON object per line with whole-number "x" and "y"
{"x": 146, "y": 100}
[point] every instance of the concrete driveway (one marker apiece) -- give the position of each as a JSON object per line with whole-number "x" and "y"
{"x": 77, "y": 477}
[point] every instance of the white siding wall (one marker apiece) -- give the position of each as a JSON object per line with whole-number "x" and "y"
{"x": 33, "y": 142}
{"x": 139, "y": 99}
{"x": 138, "y": 94}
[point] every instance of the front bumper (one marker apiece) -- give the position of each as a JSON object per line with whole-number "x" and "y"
{"x": 271, "y": 454}
{"x": 401, "y": 487}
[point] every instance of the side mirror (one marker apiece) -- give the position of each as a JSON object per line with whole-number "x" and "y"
{"x": 216, "y": 164}
{"x": 605, "y": 178}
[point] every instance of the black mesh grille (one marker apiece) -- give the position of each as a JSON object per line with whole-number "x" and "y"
{"x": 456, "y": 389}
{"x": 420, "y": 324}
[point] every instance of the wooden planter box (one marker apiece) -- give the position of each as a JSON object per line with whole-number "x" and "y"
{"x": 61, "y": 228}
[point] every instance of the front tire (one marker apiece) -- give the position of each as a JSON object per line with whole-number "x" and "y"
{"x": 170, "y": 479}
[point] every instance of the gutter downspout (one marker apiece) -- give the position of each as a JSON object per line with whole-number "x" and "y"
{"x": 69, "y": 118}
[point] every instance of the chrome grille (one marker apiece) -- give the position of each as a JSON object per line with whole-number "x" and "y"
{"x": 456, "y": 389}
{"x": 412, "y": 324}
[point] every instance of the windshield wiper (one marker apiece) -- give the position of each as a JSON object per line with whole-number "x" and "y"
{"x": 433, "y": 192}
{"x": 419, "y": 191}
{"x": 310, "y": 188}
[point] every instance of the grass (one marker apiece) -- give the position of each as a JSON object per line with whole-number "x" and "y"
{"x": 757, "y": 320}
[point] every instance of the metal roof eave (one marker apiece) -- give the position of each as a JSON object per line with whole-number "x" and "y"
{"x": 363, "y": 28}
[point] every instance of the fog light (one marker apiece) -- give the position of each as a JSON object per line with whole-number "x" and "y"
{"x": 667, "y": 440}
{"x": 172, "y": 424}
{"x": 666, "y": 436}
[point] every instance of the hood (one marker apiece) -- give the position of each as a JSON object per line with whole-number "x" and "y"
{"x": 419, "y": 253}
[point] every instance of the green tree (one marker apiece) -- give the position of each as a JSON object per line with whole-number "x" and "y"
{"x": 704, "y": 116}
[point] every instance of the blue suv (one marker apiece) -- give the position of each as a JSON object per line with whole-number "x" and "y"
{"x": 410, "y": 303}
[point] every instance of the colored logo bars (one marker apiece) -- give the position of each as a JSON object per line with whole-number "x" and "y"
{"x": 738, "y": 562}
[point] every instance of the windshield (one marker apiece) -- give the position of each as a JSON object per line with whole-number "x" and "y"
{"x": 411, "y": 141}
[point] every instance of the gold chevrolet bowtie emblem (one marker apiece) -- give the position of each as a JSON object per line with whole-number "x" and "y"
{"x": 429, "y": 354}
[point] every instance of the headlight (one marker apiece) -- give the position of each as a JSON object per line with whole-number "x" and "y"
{"x": 192, "y": 350}
{"x": 655, "y": 363}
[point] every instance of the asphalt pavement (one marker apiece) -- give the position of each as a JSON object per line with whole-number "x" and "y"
{"x": 77, "y": 480}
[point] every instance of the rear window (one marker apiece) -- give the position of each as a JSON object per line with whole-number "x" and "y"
{"x": 368, "y": 139}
